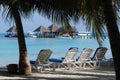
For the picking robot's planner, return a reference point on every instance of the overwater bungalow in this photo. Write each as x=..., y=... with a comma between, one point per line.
x=62, y=32
x=53, y=30
x=41, y=32
x=11, y=32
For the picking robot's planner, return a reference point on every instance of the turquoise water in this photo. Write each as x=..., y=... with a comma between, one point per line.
x=9, y=51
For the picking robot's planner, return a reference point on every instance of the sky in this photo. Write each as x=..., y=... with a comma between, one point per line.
x=34, y=22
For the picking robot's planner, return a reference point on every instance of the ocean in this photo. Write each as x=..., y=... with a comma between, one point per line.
x=9, y=50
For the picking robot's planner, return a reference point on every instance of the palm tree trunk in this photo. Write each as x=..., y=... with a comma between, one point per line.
x=24, y=64
x=113, y=32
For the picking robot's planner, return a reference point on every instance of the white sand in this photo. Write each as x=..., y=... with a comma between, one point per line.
x=62, y=74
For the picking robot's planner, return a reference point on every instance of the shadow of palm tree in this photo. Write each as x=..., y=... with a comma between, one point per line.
x=64, y=75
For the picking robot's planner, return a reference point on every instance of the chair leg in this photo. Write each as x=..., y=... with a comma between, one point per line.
x=43, y=68
x=39, y=69
x=54, y=66
x=84, y=65
x=80, y=65
x=75, y=66
x=68, y=66
x=95, y=64
x=98, y=64
x=92, y=66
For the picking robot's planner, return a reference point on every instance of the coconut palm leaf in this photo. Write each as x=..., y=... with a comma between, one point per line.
x=56, y=11
x=101, y=15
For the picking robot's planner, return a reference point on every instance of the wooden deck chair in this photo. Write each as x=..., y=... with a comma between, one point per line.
x=42, y=60
x=99, y=56
x=84, y=58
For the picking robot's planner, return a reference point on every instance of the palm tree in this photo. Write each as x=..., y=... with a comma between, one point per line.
x=98, y=13
x=113, y=32
x=14, y=9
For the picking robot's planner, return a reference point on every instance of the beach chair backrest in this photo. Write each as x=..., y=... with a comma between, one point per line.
x=70, y=55
x=99, y=53
x=43, y=56
x=85, y=54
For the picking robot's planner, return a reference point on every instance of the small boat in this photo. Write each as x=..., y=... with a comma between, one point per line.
x=31, y=34
x=64, y=36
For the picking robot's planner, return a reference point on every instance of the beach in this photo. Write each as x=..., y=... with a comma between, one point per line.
x=10, y=55
x=106, y=73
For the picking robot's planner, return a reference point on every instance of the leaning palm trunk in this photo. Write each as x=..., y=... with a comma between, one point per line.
x=24, y=65
x=113, y=33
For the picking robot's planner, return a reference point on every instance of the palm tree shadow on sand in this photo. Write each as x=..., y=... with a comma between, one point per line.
x=99, y=74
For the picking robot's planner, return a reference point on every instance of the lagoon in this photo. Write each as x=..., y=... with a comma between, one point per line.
x=9, y=50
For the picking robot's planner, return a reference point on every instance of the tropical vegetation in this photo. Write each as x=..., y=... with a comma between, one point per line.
x=99, y=15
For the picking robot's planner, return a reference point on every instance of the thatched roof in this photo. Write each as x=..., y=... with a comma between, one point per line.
x=41, y=29
x=12, y=29
x=74, y=29
x=53, y=28
x=61, y=29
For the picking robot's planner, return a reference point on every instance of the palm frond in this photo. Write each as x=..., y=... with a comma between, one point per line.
x=92, y=13
x=56, y=11
x=25, y=7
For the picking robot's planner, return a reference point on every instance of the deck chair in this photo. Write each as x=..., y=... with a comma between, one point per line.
x=67, y=61
x=84, y=58
x=42, y=60
x=70, y=57
x=99, y=56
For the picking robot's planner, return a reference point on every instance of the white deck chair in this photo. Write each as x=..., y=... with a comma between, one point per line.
x=84, y=58
x=99, y=56
x=42, y=60
x=70, y=57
